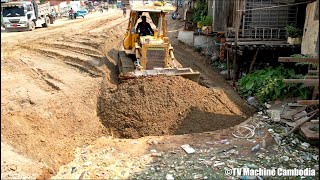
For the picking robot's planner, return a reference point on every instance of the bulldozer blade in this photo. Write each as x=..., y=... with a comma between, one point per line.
x=184, y=72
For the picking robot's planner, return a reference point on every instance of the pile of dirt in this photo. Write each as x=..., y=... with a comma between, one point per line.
x=166, y=105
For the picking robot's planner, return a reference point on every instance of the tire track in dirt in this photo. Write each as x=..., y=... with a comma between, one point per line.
x=47, y=78
x=75, y=60
x=77, y=47
x=84, y=57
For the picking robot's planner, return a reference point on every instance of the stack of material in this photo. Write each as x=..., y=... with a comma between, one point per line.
x=298, y=116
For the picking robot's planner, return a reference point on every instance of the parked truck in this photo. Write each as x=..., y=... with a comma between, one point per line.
x=26, y=15
x=125, y=2
x=119, y=4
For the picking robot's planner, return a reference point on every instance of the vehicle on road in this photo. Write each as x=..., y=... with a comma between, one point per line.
x=26, y=15
x=125, y=2
x=80, y=13
x=119, y=4
x=148, y=53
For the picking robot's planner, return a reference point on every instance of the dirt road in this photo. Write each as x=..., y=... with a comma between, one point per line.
x=50, y=81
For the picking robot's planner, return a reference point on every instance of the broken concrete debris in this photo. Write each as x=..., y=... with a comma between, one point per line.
x=224, y=141
x=153, y=151
x=188, y=148
x=263, y=144
x=274, y=115
x=255, y=148
x=218, y=163
x=169, y=177
x=305, y=145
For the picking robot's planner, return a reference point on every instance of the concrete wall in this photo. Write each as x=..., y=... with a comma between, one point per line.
x=186, y=37
x=202, y=41
x=311, y=31
x=195, y=40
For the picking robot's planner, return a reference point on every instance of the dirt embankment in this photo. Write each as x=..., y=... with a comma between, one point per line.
x=50, y=84
x=166, y=105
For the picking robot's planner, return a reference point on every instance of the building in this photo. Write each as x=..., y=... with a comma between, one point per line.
x=254, y=30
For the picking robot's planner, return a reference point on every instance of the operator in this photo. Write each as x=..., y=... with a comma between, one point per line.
x=144, y=28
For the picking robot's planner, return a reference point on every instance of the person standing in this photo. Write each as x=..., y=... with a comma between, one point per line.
x=124, y=10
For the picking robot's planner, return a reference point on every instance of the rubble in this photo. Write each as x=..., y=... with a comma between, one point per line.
x=274, y=115
x=188, y=148
x=207, y=159
x=263, y=144
x=255, y=148
x=169, y=177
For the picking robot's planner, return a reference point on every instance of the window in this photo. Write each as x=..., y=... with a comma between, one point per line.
x=13, y=11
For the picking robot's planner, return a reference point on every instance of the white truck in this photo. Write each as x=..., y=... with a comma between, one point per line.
x=26, y=15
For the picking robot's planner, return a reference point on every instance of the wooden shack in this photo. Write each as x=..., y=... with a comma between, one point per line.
x=254, y=30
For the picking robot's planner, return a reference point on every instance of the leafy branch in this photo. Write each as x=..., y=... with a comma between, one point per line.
x=266, y=84
x=293, y=32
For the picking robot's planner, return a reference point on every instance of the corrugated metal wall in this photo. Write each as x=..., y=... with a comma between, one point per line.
x=219, y=14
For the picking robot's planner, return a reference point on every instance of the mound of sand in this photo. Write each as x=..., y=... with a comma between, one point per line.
x=166, y=105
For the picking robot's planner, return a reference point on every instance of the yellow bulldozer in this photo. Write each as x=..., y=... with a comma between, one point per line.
x=150, y=55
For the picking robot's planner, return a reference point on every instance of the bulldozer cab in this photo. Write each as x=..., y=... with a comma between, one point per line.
x=151, y=54
x=151, y=51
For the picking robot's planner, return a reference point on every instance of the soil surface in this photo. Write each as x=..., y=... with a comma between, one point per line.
x=166, y=105
x=52, y=80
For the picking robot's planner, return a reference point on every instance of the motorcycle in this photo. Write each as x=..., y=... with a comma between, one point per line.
x=174, y=16
x=71, y=15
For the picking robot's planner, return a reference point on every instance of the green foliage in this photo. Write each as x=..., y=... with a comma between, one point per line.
x=314, y=65
x=293, y=31
x=206, y=21
x=301, y=56
x=267, y=85
x=200, y=11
